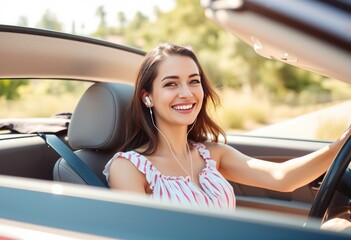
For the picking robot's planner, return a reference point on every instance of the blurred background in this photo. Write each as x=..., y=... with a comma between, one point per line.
x=255, y=92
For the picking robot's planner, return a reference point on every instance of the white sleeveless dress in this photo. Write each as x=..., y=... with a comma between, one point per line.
x=215, y=191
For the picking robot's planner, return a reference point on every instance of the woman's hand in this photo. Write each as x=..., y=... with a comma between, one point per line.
x=342, y=139
x=337, y=224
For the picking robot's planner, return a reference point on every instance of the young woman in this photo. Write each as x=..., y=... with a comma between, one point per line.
x=171, y=149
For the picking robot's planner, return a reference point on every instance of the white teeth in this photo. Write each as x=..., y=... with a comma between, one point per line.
x=183, y=107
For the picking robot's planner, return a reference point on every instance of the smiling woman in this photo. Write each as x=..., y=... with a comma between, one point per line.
x=259, y=176
x=169, y=80
x=173, y=153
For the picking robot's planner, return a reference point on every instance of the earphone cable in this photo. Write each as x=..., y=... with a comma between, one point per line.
x=170, y=148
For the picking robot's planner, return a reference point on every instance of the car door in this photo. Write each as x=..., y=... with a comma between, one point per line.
x=276, y=150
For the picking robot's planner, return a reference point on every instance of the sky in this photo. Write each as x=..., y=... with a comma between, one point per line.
x=82, y=12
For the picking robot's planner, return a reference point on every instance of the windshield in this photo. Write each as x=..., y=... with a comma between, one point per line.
x=259, y=96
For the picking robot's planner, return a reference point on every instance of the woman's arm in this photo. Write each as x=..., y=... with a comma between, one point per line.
x=286, y=176
x=125, y=177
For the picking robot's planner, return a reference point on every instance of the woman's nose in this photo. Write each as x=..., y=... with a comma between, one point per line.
x=185, y=91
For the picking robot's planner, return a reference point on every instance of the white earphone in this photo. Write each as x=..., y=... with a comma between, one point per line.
x=147, y=101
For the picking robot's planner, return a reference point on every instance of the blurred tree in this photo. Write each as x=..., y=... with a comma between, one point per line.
x=185, y=24
x=297, y=79
x=9, y=89
x=102, y=30
x=122, y=20
x=49, y=21
x=303, y=82
x=62, y=87
x=253, y=64
x=23, y=21
x=228, y=61
x=134, y=34
x=73, y=28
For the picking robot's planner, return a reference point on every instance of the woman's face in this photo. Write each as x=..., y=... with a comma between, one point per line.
x=177, y=94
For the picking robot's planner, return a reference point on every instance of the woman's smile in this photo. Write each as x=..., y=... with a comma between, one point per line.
x=184, y=107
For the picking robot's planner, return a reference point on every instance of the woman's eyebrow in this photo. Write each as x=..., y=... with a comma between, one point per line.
x=194, y=75
x=170, y=77
x=177, y=77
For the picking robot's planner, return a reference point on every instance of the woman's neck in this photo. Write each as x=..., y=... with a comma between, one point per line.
x=174, y=136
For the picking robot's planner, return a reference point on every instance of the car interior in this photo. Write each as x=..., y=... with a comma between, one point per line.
x=94, y=133
x=93, y=130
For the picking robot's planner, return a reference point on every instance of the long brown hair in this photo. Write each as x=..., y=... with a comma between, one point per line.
x=139, y=129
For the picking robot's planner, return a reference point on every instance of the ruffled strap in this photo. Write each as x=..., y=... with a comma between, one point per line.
x=143, y=164
x=139, y=161
x=205, y=154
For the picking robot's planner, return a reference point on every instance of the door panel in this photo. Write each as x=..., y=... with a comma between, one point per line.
x=26, y=155
x=276, y=150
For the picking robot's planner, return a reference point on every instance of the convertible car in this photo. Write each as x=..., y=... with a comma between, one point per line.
x=51, y=182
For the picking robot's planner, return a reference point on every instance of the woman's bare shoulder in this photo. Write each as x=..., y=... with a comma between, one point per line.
x=217, y=149
x=216, y=146
x=124, y=175
x=121, y=163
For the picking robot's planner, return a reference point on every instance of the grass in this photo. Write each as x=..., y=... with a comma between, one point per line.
x=330, y=129
x=35, y=107
x=41, y=100
x=242, y=112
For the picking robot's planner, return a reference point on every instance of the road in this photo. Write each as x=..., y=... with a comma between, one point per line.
x=307, y=126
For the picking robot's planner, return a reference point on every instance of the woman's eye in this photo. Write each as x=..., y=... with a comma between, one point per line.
x=170, y=84
x=195, y=81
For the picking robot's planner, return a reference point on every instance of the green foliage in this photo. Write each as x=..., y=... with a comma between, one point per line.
x=43, y=98
x=62, y=87
x=9, y=89
x=232, y=119
x=329, y=129
x=23, y=21
x=102, y=30
x=298, y=79
x=186, y=24
x=136, y=33
x=240, y=111
x=49, y=21
x=228, y=61
x=122, y=20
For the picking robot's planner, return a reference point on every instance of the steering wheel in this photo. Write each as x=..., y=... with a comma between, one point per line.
x=330, y=183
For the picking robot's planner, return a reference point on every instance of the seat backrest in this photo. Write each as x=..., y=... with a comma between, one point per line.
x=95, y=129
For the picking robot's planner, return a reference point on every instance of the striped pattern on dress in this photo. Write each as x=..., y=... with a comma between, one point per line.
x=215, y=191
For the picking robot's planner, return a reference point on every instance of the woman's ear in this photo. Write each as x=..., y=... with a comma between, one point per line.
x=145, y=97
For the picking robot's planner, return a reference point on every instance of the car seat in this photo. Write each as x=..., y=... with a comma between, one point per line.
x=95, y=129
